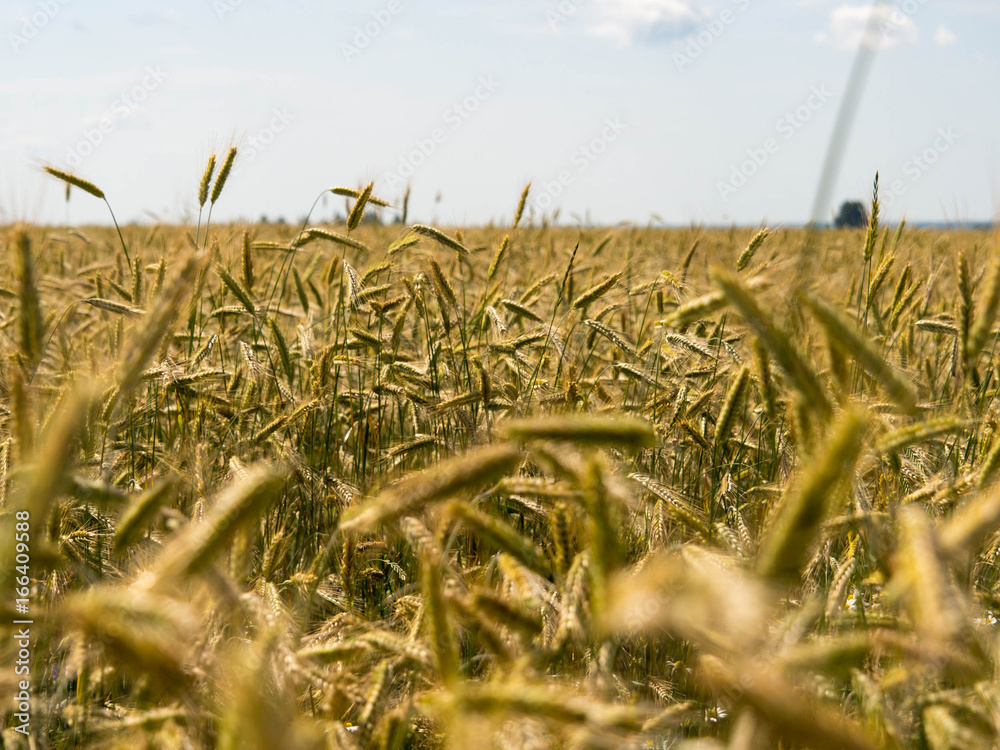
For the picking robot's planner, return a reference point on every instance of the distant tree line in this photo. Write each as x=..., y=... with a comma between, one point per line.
x=851, y=214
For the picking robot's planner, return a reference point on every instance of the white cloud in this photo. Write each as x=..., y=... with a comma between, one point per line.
x=627, y=21
x=944, y=36
x=882, y=27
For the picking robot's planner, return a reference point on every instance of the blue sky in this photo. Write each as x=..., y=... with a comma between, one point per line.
x=616, y=110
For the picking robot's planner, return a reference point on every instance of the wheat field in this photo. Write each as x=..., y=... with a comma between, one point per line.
x=377, y=485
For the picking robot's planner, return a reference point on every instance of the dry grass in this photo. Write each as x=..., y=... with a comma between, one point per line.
x=380, y=486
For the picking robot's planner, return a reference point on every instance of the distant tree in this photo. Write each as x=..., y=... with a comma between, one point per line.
x=851, y=214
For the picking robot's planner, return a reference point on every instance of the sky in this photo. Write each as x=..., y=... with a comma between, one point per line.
x=646, y=111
